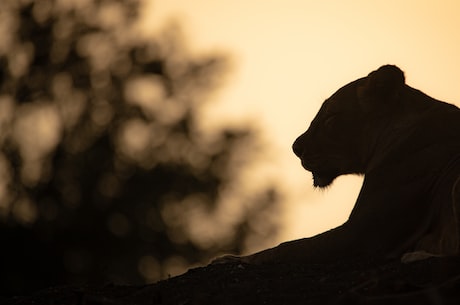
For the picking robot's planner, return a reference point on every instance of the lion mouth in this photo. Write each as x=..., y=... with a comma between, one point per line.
x=321, y=178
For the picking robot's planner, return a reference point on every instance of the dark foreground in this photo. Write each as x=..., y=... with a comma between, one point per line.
x=433, y=281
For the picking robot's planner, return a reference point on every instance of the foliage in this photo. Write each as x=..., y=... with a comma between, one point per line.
x=106, y=173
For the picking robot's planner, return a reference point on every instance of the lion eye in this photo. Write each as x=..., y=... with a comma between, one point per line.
x=329, y=120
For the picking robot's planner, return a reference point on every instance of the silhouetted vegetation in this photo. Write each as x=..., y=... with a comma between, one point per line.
x=106, y=175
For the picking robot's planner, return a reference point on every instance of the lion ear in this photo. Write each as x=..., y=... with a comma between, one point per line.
x=385, y=83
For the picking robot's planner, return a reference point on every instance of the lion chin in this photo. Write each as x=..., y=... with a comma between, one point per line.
x=323, y=180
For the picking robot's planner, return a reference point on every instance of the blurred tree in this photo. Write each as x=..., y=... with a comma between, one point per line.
x=106, y=175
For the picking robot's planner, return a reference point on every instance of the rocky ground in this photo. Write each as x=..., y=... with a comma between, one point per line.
x=433, y=281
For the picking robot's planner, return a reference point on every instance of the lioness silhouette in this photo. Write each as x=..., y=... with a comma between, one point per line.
x=407, y=146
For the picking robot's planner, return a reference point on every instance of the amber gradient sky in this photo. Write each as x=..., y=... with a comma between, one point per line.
x=289, y=55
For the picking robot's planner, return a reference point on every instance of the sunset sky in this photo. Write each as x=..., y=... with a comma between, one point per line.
x=290, y=55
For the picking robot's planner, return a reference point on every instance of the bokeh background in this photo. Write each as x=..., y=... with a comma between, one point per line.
x=139, y=138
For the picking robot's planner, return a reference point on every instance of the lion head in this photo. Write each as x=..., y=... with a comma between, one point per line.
x=343, y=137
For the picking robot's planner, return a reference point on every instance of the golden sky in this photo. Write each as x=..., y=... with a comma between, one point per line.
x=290, y=55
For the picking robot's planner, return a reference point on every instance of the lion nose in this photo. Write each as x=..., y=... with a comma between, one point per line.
x=297, y=147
